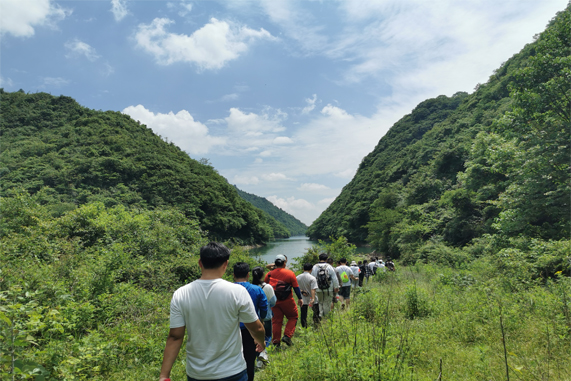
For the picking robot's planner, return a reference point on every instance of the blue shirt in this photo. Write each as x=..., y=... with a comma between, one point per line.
x=258, y=297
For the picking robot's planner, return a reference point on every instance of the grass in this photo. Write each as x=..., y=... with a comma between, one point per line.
x=404, y=325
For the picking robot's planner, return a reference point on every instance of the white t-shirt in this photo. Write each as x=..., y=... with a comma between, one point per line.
x=211, y=311
x=307, y=282
x=344, y=269
x=355, y=269
x=373, y=266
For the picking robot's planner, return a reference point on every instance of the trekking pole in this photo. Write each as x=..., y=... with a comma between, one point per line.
x=440, y=374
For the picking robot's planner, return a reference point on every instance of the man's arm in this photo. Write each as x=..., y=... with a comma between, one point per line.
x=312, y=300
x=258, y=332
x=172, y=347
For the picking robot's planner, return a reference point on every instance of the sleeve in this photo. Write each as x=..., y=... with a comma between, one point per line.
x=176, y=316
x=272, y=301
x=293, y=280
x=334, y=277
x=246, y=310
x=313, y=284
x=262, y=304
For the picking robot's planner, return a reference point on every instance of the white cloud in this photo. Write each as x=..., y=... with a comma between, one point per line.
x=326, y=201
x=282, y=140
x=78, y=48
x=119, y=9
x=312, y=187
x=246, y=180
x=189, y=135
x=183, y=7
x=6, y=82
x=266, y=153
x=302, y=209
x=19, y=18
x=275, y=177
x=310, y=104
x=54, y=82
x=210, y=47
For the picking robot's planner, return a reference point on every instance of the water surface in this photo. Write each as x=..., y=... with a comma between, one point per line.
x=291, y=247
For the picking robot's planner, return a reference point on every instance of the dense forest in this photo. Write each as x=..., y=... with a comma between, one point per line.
x=292, y=225
x=80, y=156
x=471, y=171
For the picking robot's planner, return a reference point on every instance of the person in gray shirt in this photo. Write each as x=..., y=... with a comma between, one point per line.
x=327, y=284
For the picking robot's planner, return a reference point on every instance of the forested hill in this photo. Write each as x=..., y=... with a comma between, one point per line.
x=494, y=163
x=291, y=224
x=84, y=156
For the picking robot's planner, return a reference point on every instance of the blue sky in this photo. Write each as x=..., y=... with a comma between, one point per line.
x=284, y=98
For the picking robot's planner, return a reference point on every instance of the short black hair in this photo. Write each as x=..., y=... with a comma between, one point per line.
x=241, y=269
x=365, y=262
x=279, y=262
x=307, y=267
x=343, y=260
x=323, y=257
x=214, y=255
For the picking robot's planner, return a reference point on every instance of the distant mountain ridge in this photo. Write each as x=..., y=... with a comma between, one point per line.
x=83, y=155
x=290, y=223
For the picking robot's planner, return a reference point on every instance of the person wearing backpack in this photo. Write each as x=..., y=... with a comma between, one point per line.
x=346, y=275
x=327, y=284
x=283, y=281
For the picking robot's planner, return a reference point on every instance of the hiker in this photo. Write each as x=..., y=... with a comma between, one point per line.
x=362, y=272
x=241, y=276
x=283, y=280
x=210, y=310
x=257, y=276
x=390, y=265
x=368, y=270
x=308, y=286
x=346, y=275
x=373, y=267
x=355, y=280
x=382, y=265
x=327, y=284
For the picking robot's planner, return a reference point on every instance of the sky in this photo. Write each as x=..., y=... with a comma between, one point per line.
x=283, y=97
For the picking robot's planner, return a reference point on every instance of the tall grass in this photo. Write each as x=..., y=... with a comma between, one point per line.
x=422, y=321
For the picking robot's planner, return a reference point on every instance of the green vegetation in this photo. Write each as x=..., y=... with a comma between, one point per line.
x=102, y=220
x=86, y=295
x=85, y=156
x=285, y=226
x=401, y=325
x=483, y=173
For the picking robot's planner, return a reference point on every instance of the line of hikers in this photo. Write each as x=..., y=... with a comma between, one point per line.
x=214, y=312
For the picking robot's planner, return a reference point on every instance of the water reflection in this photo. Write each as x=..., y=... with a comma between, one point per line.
x=292, y=247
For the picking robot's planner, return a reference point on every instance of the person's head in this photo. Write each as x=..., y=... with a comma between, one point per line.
x=257, y=275
x=360, y=263
x=214, y=255
x=323, y=257
x=241, y=270
x=343, y=261
x=330, y=260
x=280, y=260
x=365, y=262
x=307, y=267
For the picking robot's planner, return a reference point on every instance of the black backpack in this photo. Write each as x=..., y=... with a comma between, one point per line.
x=323, y=278
x=282, y=289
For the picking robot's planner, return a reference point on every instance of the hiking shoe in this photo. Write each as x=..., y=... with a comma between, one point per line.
x=263, y=357
x=287, y=340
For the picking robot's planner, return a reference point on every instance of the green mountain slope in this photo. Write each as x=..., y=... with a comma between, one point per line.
x=84, y=155
x=291, y=224
x=492, y=162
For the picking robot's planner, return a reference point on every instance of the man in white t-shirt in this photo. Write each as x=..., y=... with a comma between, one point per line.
x=210, y=310
x=308, y=286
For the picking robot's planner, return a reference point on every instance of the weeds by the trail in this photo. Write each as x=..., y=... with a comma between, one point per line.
x=429, y=323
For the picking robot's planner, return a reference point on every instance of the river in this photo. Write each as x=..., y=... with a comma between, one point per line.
x=291, y=247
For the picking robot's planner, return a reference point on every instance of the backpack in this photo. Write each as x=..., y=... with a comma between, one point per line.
x=282, y=290
x=344, y=277
x=323, y=278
